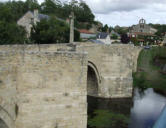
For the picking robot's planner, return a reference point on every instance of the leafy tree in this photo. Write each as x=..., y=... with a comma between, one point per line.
x=52, y=7
x=114, y=36
x=32, y=4
x=11, y=33
x=51, y=31
x=108, y=119
x=105, y=28
x=6, y=13
x=125, y=39
x=135, y=41
x=13, y=10
x=110, y=29
x=121, y=30
x=161, y=29
x=85, y=14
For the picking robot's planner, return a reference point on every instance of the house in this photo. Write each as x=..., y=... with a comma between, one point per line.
x=86, y=34
x=29, y=19
x=114, y=33
x=104, y=37
x=143, y=33
x=141, y=28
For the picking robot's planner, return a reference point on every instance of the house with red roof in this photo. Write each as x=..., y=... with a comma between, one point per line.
x=86, y=34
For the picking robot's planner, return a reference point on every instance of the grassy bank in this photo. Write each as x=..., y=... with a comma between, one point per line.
x=149, y=73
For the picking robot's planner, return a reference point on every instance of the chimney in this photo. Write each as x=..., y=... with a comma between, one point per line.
x=36, y=15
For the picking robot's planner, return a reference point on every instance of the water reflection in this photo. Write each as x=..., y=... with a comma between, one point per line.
x=143, y=110
x=147, y=108
x=111, y=113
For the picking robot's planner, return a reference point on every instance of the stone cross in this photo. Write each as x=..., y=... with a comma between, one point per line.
x=71, y=27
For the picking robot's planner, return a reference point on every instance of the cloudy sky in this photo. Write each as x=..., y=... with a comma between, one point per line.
x=127, y=12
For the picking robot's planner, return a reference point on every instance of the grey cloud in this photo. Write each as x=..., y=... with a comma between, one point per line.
x=108, y=6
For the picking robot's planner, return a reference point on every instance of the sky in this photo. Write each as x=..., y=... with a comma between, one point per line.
x=127, y=12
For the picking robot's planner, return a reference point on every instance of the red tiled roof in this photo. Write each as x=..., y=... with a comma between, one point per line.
x=85, y=31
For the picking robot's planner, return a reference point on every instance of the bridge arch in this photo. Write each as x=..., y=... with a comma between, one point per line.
x=6, y=120
x=93, y=79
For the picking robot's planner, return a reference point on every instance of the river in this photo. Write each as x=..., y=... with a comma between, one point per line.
x=142, y=110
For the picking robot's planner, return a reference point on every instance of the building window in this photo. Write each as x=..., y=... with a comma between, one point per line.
x=141, y=25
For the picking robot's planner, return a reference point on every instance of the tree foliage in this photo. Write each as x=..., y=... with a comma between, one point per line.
x=121, y=30
x=10, y=32
x=11, y=11
x=108, y=119
x=82, y=12
x=161, y=29
x=114, y=36
x=105, y=28
x=51, y=31
x=125, y=39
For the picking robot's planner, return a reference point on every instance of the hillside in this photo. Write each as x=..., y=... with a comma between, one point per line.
x=151, y=72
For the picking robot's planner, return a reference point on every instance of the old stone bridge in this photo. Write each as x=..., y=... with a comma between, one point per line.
x=46, y=86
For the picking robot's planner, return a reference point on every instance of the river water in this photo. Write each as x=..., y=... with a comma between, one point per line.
x=142, y=110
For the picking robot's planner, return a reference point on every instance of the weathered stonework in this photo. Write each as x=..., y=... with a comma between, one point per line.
x=43, y=89
x=114, y=65
x=45, y=86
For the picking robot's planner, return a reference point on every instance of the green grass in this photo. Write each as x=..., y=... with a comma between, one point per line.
x=149, y=75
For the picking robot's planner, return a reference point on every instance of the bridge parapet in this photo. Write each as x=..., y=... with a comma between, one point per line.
x=115, y=64
x=42, y=88
x=43, y=85
x=8, y=76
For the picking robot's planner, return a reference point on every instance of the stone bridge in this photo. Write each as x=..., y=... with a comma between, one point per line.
x=46, y=86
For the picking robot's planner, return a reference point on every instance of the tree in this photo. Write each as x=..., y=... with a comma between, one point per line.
x=114, y=36
x=11, y=33
x=135, y=41
x=51, y=31
x=110, y=29
x=52, y=7
x=32, y=4
x=125, y=39
x=108, y=119
x=161, y=29
x=85, y=14
x=121, y=30
x=105, y=28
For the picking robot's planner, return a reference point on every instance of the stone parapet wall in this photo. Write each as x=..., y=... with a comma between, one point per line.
x=43, y=88
x=115, y=64
x=8, y=81
x=52, y=91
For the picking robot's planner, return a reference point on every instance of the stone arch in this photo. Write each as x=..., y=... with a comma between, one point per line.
x=93, y=80
x=5, y=119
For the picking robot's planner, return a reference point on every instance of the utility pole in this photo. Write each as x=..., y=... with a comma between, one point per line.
x=71, y=17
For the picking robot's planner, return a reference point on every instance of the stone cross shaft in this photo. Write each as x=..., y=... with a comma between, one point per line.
x=71, y=27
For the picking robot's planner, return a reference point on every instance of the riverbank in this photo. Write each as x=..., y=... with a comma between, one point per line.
x=150, y=70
